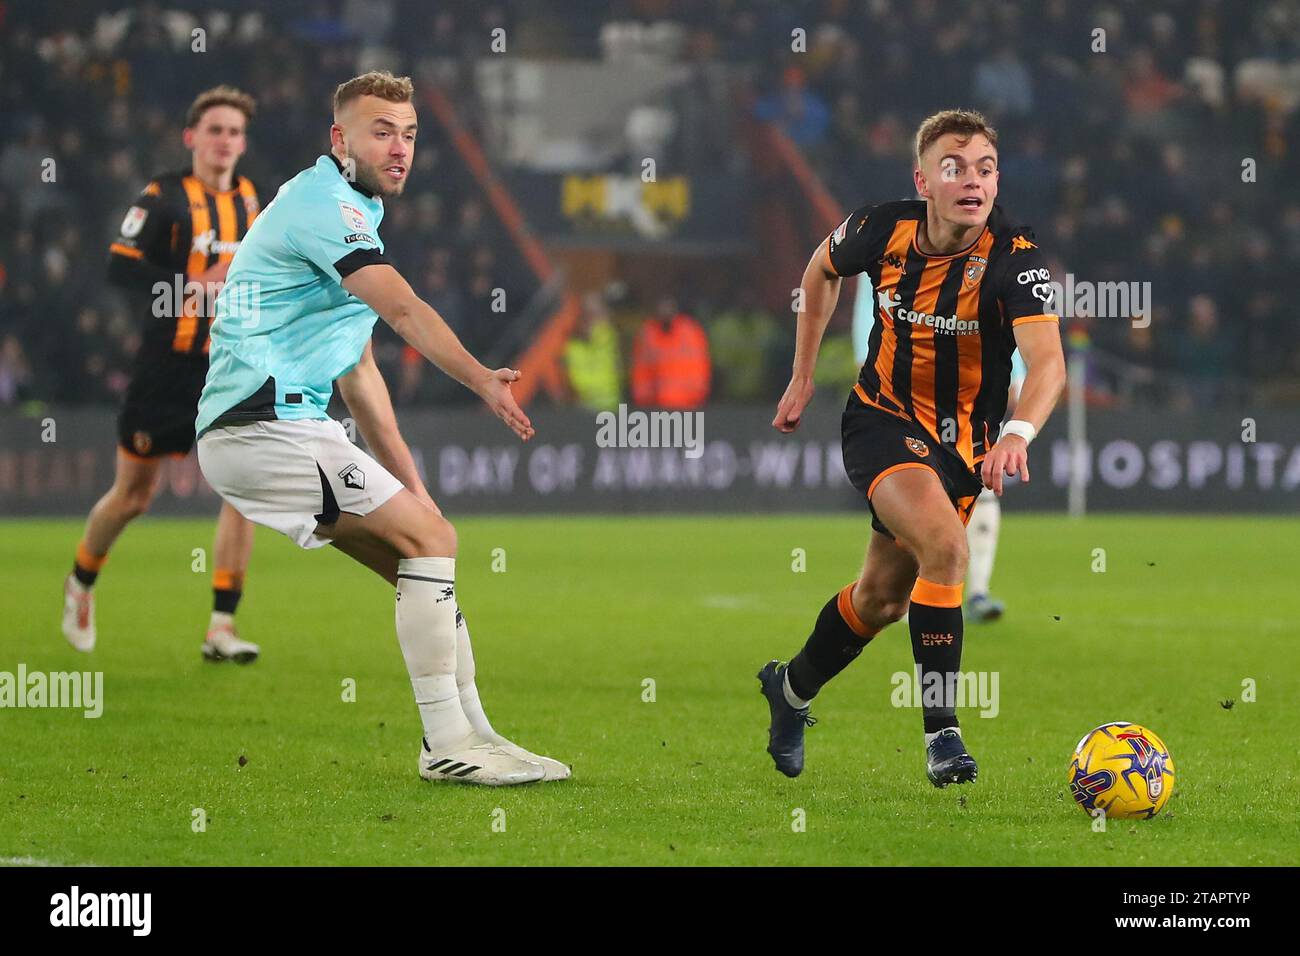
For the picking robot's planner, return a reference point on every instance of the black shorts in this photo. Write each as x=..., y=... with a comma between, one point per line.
x=877, y=443
x=161, y=405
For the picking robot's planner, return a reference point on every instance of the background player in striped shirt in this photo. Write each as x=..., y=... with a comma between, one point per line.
x=959, y=287
x=183, y=229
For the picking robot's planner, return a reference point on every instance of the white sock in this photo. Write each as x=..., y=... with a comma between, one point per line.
x=426, y=629
x=220, y=619
x=469, y=699
x=982, y=539
x=791, y=698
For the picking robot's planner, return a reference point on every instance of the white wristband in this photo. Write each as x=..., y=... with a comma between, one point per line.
x=1022, y=428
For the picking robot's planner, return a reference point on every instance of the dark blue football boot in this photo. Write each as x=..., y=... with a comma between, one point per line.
x=947, y=760
x=785, y=733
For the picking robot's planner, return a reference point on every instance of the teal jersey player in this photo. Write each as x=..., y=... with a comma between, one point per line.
x=293, y=323
x=285, y=327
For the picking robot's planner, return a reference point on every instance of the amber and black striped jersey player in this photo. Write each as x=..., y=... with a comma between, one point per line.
x=959, y=286
x=170, y=258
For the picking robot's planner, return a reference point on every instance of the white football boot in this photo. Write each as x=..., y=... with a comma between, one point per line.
x=482, y=763
x=78, y=614
x=224, y=644
x=553, y=769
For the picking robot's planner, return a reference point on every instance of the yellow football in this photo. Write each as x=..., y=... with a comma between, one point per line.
x=1123, y=770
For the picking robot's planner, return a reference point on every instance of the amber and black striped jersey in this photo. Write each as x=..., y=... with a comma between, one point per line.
x=940, y=350
x=177, y=228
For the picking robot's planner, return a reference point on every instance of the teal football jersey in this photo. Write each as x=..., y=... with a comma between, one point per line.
x=284, y=326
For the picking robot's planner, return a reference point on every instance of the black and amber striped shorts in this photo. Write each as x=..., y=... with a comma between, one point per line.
x=877, y=444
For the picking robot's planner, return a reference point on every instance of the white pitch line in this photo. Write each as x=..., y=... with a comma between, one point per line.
x=33, y=861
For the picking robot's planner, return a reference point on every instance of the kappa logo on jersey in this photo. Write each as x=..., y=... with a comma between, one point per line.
x=1020, y=242
x=892, y=259
x=354, y=218
x=916, y=446
x=973, y=272
x=353, y=477
x=134, y=222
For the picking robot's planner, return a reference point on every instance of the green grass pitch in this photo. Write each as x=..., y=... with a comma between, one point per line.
x=586, y=611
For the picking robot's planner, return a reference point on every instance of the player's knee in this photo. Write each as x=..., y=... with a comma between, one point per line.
x=432, y=536
x=946, y=554
x=893, y=609
x=878, y=608
x=133, y=501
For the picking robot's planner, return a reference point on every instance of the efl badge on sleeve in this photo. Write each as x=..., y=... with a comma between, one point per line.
x=838, y=235
x=354, y=218
x=134, y=222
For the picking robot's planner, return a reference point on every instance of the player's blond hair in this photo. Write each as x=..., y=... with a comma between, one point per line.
x=220, y=96
x=964, y=123
x=380, y=83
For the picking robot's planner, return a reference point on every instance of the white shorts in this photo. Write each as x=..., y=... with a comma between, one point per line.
x=294, y=475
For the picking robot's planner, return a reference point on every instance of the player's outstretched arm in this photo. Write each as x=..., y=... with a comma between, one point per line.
x=366, y=394
x=1040, y=346
x=819, y=291
x=382, y=287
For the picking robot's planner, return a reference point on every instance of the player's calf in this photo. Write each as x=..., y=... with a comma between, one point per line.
x=915, y=507
x=472, y=705
x=837, y=638
x=877, y=610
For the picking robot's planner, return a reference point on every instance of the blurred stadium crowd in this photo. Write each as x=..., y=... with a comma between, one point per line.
x=1173, y=157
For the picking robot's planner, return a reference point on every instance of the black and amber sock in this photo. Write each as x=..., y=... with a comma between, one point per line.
x=86, y=566
x=227, y=589
x=837, y=638
x=936, y=624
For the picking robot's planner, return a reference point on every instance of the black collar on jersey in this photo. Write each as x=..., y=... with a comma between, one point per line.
x=358, y=187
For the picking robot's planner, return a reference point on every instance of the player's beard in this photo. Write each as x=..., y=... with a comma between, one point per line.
x=372, y=179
